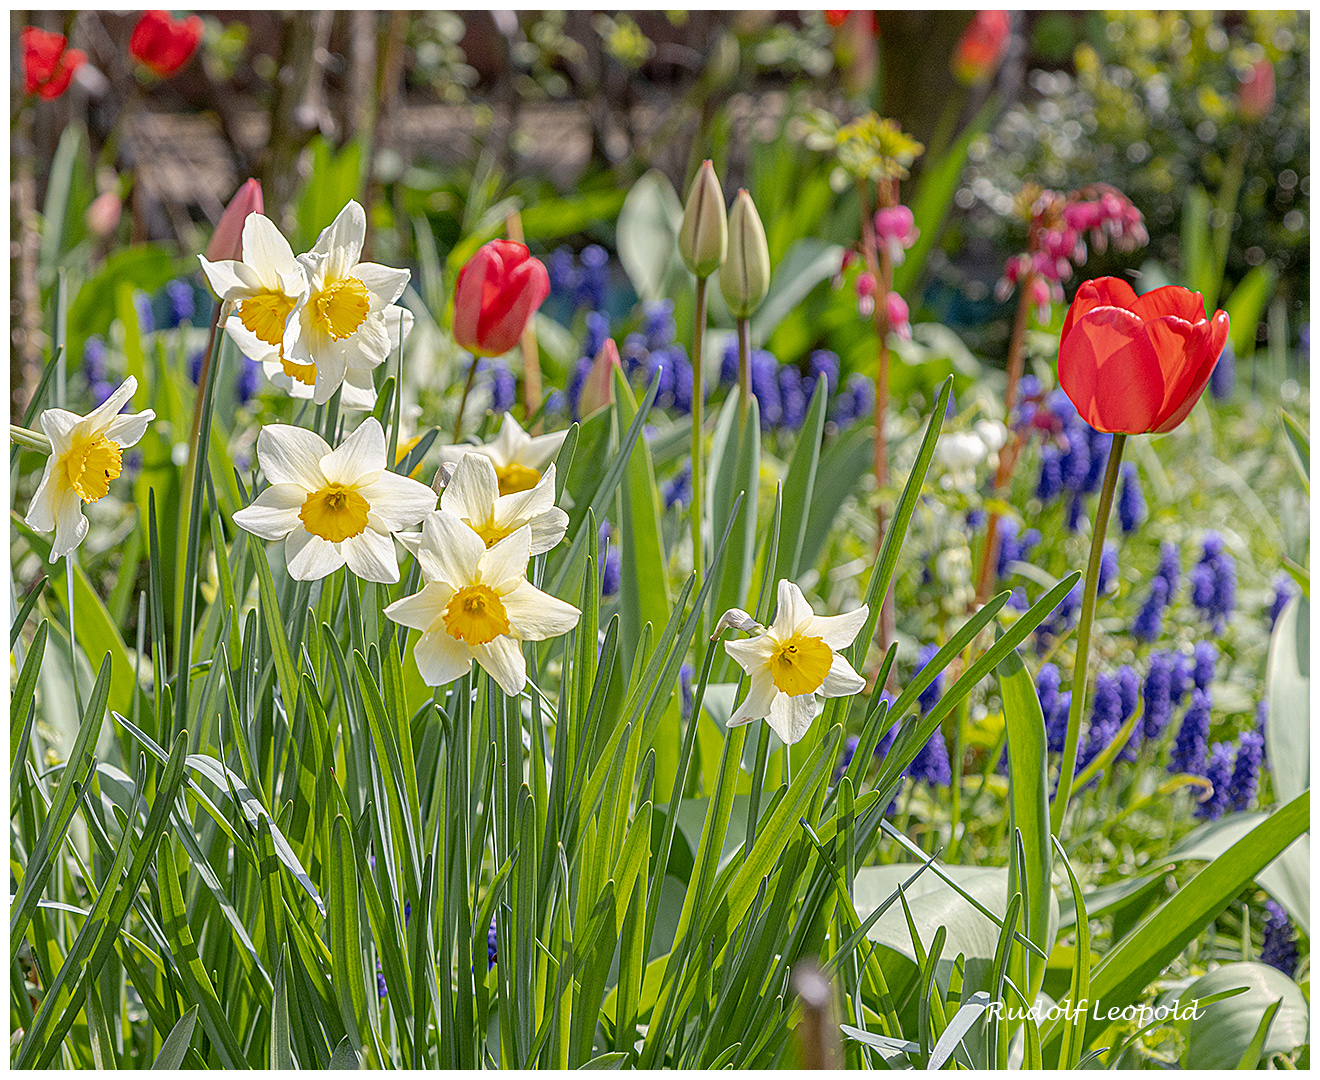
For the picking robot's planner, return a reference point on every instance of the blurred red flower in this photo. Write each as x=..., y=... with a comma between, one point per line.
x=498, y=291
x=981, y=47
x=47, y=64
x=163, y=44
x=1134, y=363
x=1256, y=94
x=836, y=18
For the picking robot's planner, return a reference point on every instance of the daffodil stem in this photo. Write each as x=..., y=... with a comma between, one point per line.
x=188, y=592
x=1068, y=767
x=744, y=371
x=698, y=395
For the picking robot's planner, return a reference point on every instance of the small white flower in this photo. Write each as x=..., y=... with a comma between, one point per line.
x=86, y=454
x=519, y=458
x=793, y=660
x=333, y=506
x=477, y=604
x=266, y=286
x=340, y=329
x=473, y=496
x=993, y=433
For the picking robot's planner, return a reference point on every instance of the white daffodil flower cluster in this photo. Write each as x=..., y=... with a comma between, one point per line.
x=320, y=322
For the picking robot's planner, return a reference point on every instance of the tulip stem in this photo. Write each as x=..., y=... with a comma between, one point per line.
x=462, y=402
x=744, y=371
x=1068, y=767
x=698, y=396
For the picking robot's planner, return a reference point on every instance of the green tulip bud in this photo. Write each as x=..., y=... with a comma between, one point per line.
x=745, y=275
x=704, y=236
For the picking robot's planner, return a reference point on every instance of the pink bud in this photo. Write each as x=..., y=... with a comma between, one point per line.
x=897, y=310
x=1256, y=95
x=103, y=213
x=227, y=240
x=865, y=283
x=896, y=223
x=1038, y=294
x=598, y=389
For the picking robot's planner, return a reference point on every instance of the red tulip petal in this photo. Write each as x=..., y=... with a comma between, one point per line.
x=469, y=296
x=1170, y=300
x=1110, y=372
x=1098, y=292
x=1209, y=345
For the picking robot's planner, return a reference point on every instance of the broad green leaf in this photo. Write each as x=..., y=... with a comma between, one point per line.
x=1224, y=1031
x=647, y=234
x=1246, y=305
x=1288, y=683
x=176, y=1044
x=805, y=265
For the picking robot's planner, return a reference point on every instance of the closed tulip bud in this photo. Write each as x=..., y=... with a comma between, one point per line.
x=1256, y=94
x=227, y=240
x=745, y=275
x=704, y=237
x=497, y=293
x=981, y=48
x=598, y=390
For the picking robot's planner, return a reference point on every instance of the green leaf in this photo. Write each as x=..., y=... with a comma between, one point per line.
x=807, y=263
x=176, y=1044
x=345, y=1057
x=345, y=942
x=647, y=234
x=1131, y=965
x=281, y=1055
x=1246, y=305
x=800, y=487
x=841, y=467
x=1080, y=989
x=1288, y=683
x=1028, y=793
x=285, y=671
x=1269, y=1018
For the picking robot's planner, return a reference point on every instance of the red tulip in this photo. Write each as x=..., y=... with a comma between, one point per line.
x=1137, y=363
x=47, y=64
x=836, y=18
x=163, y=44
x=227, y=240
x=498, y=291
x=981, y=47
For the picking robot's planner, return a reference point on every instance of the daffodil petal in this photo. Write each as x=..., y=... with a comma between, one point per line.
x=273, y=514
x=504, y=661
x=838, y=631
x=292, y=455
x=440, y=658
x=791, y=717
x=842, y=680
x=370, y=555
x=760, y=696
x=749, y=653
x=451, y=552
x=537, y=615
x=420, y=611
x=507, y=560
x=792, y=612
x=70, y=525
x=127, y=430
x=547, y=530
x=473, y=489
x=400, y=502
x=359, y=459
x=309, y=557
x=385, y=283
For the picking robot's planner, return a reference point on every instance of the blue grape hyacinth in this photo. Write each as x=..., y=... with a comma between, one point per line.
x=1279, y=950
x=1214, y=583
x=1189, y=748
x=1131, y=502
x=1246, y=769
x=1149, y=623
x=1219, y=771
x=1204, y=657
x=1157, y=700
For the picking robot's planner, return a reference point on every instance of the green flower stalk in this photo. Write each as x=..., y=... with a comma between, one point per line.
x=702, y=241
x=744, y=281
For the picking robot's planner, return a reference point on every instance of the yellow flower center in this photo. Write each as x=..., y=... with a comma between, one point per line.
x=303, y=373
x=334, y=513
x=516, y=477
x=476, y=615
x=92, y=462
x=341, y=307
x=800, y=664
x=265, y=315
x=490, y=533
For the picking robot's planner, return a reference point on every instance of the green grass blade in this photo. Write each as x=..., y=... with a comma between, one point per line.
x=175, y=1047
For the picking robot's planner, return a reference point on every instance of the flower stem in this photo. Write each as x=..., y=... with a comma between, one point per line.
x=462, y=402
x=33, y=440
x=744, y=371
x=698, y=395
x=1068, y=767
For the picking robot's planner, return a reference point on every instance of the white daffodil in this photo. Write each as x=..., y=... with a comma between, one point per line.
x=266, y=286
x=519, y=458
x=473, y=496
x=86, y=454
x=333, y=506
x=477, y=604
x=793, y=660
x=359, y=389
x=341, y=327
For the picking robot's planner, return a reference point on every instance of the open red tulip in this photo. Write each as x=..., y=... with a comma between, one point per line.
x=498, y=291
x=48, y=65
x=1134, y=363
